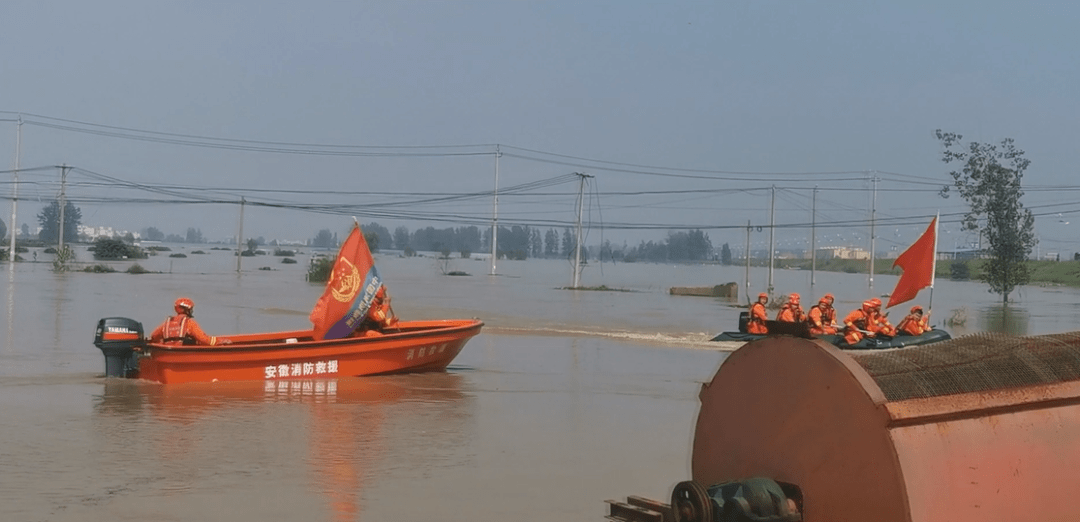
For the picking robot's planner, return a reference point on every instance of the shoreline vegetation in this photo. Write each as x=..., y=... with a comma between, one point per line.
x=1043, y=273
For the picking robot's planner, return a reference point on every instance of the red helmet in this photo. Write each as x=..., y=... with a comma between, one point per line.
x=916, y=308
x=875, y=302
x=763, y=294
x=829, y=297
x=184, y=306
x=867, y=305
x=793, y=297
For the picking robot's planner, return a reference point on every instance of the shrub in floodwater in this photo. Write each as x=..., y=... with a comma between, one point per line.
x=960, y=271
x=319, y=271
x=178, y=255
x=288, y=261
x=99, y=269
x=137, y=269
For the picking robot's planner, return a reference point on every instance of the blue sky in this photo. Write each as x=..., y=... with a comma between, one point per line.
x=696, y=108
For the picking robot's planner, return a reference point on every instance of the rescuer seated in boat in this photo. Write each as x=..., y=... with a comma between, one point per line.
x=792, y=311
x=879, y=322
x=758, y=316
x=916, y=323
x=857, y=323
x=379, y=317
x=182, y=328
x=822, y=316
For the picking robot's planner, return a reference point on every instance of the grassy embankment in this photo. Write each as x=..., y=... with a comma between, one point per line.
x=1043, y=273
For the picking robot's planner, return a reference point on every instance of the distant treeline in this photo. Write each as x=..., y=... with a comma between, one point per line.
x=523, y=242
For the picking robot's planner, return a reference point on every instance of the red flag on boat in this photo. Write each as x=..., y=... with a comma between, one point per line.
x=349, y=292
x=918, y=263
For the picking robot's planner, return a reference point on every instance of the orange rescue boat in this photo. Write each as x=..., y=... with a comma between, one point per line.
x=411, y=346
x=341, y=343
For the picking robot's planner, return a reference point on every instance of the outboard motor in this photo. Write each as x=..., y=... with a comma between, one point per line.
x=118, y=337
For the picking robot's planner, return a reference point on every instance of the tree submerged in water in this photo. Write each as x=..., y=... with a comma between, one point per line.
x=989, y=180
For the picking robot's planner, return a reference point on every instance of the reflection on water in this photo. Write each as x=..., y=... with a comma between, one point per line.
x=334, y=432
x=10, y=333
x=1010, y=319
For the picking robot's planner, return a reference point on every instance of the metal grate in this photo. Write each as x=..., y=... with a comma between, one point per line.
x=973, y=363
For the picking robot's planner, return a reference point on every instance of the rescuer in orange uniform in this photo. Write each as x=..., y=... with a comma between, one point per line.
x=857, y=323
x=792, y=311
x=182, y=328
x=879, y=322
x=756, y=325
x=822, y=316
x=915, y=323
x=379, y=316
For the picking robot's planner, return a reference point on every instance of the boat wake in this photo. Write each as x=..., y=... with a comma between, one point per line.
x=688, y=340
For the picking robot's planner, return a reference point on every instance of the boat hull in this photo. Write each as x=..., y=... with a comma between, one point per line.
x=414, y=346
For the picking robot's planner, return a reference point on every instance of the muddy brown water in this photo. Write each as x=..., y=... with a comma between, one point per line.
x=566, y=399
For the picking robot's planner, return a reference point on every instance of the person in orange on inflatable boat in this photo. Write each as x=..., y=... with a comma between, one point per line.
x=379, y=316
x=182, y=328
x=916, y=323
x=879, y=322
x=857, y=323
x=822, y=317
x=792, y=311
x=758, y=316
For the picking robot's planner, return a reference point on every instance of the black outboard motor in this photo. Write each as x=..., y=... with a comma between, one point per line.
x=118, y=337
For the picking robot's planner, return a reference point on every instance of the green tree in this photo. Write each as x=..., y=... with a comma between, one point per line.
x=3, y=229
x=401, y=238
x=324, y=239
x=725, y=254
x=194, y=235
x=108, y=248
x=551, y=243
x=49, y=218
x=153, y=234
x=989, y=180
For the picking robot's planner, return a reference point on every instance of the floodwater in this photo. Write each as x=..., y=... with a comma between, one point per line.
x=567, y=398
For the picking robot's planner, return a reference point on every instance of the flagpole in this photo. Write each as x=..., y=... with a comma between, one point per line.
x=933, y=271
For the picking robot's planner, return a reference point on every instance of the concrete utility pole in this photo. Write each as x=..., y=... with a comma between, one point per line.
x=15, y=192
x=873, y=214
x=240, y=235
x=772, y=233
x=813, y=238
x=748, y=300
x=495, y=214
x=577, y=248
x=63, y=203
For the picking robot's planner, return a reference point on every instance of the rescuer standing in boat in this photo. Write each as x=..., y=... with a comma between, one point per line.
x=822, y=316
x=792, y=311
x=182, y=328
x=756, y=325
x=915, y=323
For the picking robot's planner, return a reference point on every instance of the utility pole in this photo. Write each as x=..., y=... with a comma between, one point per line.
x=577, y=248
x=495, y=214
x=240, y=235
x=873, y=215
x=772, y=233
x=15, y=193
x=813, y=238
x=63, y=203
x=748, y=300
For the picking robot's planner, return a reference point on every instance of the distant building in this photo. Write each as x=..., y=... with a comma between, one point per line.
x=824, y=254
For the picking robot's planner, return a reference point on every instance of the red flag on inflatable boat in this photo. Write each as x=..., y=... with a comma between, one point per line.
x=350, y=290
x=918, y=263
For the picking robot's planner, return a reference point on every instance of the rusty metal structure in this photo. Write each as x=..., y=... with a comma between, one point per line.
x=981, y=428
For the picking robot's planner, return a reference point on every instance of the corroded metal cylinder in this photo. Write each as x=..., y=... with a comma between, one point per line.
x=978, y=428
